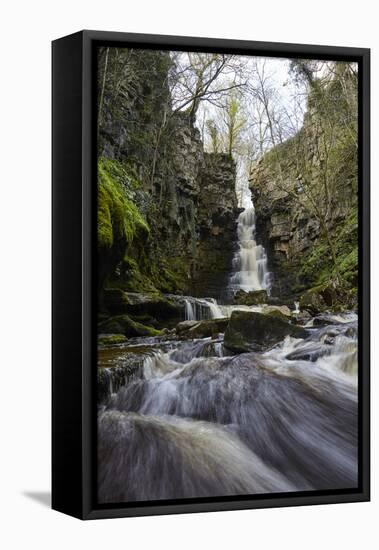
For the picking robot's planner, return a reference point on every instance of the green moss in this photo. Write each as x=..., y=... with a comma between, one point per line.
x=171, y=274
x=134, y=280
x=118, y=217
x=111, y=339
x=317, y=266
x=123, y=324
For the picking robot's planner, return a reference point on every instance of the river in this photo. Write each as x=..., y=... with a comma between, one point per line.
x=197, y=422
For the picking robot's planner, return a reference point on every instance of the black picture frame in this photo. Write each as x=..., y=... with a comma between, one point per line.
x=74, y=274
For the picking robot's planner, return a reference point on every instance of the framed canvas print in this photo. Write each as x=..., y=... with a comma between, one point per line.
x=210, y=274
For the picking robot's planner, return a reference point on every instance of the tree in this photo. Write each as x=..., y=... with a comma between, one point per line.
x=234, y=121
x=197, y=77
x=214, y=134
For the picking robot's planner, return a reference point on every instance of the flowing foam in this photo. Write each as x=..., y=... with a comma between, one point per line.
x=199, y=424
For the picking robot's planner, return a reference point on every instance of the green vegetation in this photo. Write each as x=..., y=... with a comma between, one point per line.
x=118, y=217
x=317, y=267
x=111, y=339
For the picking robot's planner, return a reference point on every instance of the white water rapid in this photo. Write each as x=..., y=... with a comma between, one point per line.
x=197, y=423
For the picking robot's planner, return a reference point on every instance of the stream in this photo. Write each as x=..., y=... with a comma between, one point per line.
x=186, y=418
x=194, y=421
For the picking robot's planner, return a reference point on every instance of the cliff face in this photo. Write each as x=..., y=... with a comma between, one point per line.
x=153, y=162
x=294, y=235
x=217, y=214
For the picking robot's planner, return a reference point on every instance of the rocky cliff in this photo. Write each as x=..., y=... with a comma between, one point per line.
x=167, y=209
x=319, y=164
x=216, y=215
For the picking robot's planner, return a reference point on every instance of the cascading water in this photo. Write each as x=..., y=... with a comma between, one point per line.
x=197, y=424
x=198, y=309
x=250, y=261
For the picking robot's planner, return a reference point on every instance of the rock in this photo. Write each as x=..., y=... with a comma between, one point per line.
x=156, y=306
x=322, y=321
x=217, y=214
x=252, y=298
x=325, y=297
x=123, y=324
x=311, y=353
x=202, y=329
x=293, y=237
x=302, y=317
x=110, y=339
x=184, y=326
x=274, y=300
x=252, y=331
x=112, y=378
x=115, y=300
x=313, y=301
x=283, y=312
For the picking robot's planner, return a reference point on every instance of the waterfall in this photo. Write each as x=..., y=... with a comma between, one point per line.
x=199, y=309
x=250, y=261
x=189, y=310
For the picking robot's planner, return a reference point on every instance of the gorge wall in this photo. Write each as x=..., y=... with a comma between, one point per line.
x=298, y=251
x=166, y=209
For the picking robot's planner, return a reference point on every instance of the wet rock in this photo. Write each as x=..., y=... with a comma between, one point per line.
x=123, y=324
x=251, y=331
x=202, y=329
x=310, y=353
x=322, y=321
x=184, y=326
x=302, y=318
x=111, y=379
x=252, y=298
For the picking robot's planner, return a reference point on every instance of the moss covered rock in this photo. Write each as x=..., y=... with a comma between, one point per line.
x=110, y=339
x=251, y=331
x=252, y=298
x=119, y=221
x=327, y=297
x=115, y=300
x=154, y=305
x=123, y=324
x=282, y=312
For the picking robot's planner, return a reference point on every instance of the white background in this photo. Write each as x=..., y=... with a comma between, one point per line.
x=26, y=31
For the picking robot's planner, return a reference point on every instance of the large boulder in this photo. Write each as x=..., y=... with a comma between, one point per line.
x=123, y=324
x=252, y=298
x=202, y=329
x=252, y=331
x=283, y=312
